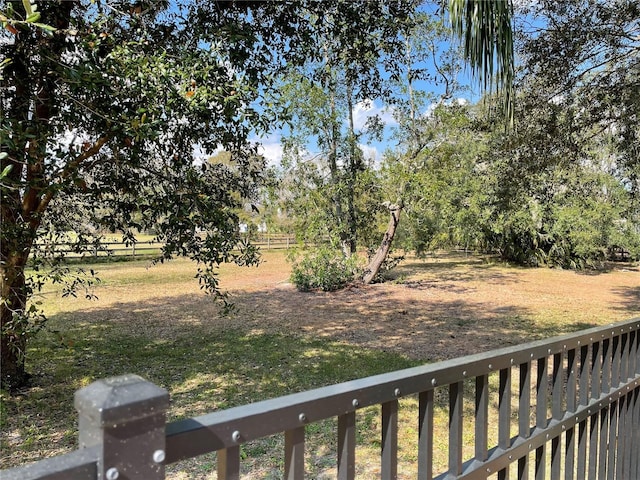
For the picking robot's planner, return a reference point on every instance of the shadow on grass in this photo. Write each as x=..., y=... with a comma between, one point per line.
x=455, y=267
x=630, y=301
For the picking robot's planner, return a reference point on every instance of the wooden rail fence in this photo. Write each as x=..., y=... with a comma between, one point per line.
x=142, y=248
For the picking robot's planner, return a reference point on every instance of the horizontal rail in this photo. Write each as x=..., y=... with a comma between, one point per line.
x=229, y=428
x=78, y=465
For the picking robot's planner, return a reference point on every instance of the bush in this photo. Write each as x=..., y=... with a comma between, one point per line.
x=324, y=269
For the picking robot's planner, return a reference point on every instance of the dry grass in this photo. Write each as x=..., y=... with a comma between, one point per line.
x=157, y=323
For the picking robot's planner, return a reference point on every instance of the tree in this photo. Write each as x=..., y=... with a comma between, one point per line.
x=335, y=73
x=485, y=29
x=586, y=59
x=416, y=129
x=322, y=97
x=101, y=118
x=487, y=36
x=566, y=178
x=446, y=190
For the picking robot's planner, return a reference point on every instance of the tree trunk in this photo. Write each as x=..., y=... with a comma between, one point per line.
x=352, y=172
x=383, y=250
x=30, y=108
x=13, y=338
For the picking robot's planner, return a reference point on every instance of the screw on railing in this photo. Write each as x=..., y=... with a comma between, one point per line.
x=125, y=418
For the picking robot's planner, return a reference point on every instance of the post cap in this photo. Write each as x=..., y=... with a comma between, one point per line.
x=125, y=398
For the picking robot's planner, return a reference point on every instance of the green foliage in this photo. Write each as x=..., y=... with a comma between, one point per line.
x=561, y=188
x=326, y=269
x=445, y=189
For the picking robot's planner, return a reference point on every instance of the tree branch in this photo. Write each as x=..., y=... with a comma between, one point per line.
x=71, y=168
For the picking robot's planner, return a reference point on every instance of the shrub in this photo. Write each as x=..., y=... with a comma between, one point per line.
x=324, y=269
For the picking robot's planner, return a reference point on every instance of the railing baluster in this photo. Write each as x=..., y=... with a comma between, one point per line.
x=570, y=436
x=635, y=354
x=294, y=454
x=524, y=422
x=542, y=385
x=570, y=452
x=540, y=463
x=604, y=436
x=347, y=446
x=606, y=365
x=482, y=418
x=635, y=441
x=615, y=362
x=229, y=463
x=455, y=428
x=425, y=435
x=593, y=446
x=613, y=444
x=557, y=384
x=596, y=370
x=624, y=357
x=504, y=416
x=605, y=386
x=581, y=470
x=504, y=409
x=628, y=426
x=571, y=380
x=584, y=375
x=523, y=467
x=390, y=440
x=596, y=386
x=583, y=386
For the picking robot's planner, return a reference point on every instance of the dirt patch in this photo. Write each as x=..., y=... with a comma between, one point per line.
x=442, y=307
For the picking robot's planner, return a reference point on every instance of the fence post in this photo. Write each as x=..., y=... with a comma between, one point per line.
x=124, y=417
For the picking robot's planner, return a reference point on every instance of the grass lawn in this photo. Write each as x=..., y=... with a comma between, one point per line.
x=157, y=323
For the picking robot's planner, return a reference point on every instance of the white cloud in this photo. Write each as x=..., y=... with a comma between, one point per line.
x=370, y=153
x=364, y=110
x=456, y=101
x=271, y=148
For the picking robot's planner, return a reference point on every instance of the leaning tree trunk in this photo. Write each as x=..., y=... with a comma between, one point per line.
x=383, y=250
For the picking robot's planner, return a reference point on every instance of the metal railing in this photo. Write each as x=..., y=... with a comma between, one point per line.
x=566, y=408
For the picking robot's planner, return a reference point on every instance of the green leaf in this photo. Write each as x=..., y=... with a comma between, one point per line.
x=34, y=17
x=28, y=7
x=43, y=26
x=6, y=170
